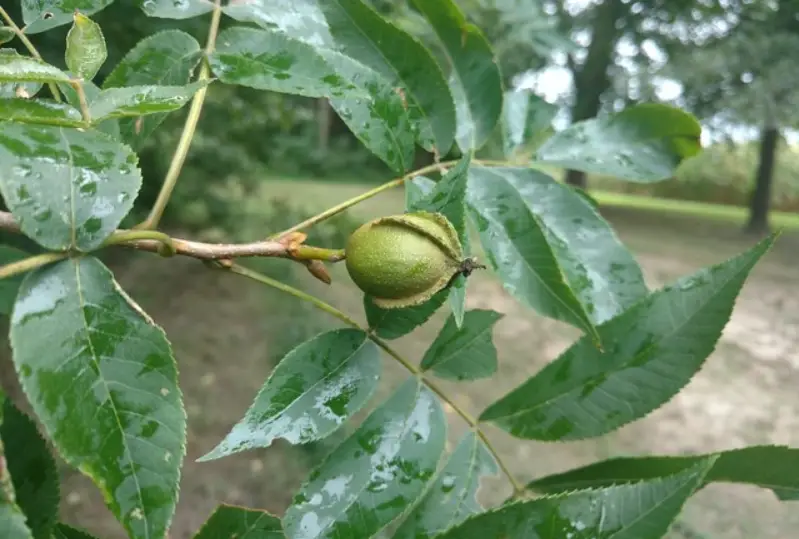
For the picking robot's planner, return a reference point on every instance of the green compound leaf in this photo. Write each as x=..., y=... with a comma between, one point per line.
x=394, y=323
x=465, y=353
x=39, y=111
x=524, y=117
x=165, y=58
x=650, y=352
x=240, y=523
x=63, y=531
x=67, y=188
x=86, y=51
x=453, y=496
x=33, y=471
x=41, y=15
x=475, y=82
x=767, y=466
x=141, y=100
x=356, y=30
x=642, y=510
x=375, y=474
x=552, y=250
x=104, y=385
x=314, y=389
x=175, y=9
x=16, y=68
x=644, y=143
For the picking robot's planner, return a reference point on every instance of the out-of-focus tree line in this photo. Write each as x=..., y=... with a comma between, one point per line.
x=731, y=60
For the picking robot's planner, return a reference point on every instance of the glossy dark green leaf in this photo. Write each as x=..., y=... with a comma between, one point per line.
x=644, y=143
x=465, y=353
x=109, y=126
x=314, y=389
x=375, y=474
x=17, y=89
x=395, y=323
x=9, y=285
x=104, y=385
x=453, y=496
x=642, y=510
x=448, y=197
x=354, y=29
x=33, y=471
x=16, y=68
x=649, y=353
x=474, y=71
x=67, y=188
x=524, y=115
x=141, y=100
x=457, y=298
x=39, y=111
x=166, y=58
x=86, y=51
x=12, y=519
x=552, y=249
x=63, y=531
x=41, y=15
x=240, y=523
x=767, y=466
x=378, y=117
x=6, y=34
x=416, y=190
x=270, y=60
x=175, y=9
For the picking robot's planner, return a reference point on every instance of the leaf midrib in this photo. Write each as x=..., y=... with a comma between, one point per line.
x=113, y=406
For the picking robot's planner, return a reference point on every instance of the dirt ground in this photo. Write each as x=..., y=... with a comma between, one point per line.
x=222, y=331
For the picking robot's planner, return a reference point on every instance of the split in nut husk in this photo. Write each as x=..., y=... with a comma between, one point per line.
x=402, y=260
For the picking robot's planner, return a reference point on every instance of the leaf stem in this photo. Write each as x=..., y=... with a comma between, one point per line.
x=338, y=208
x=28, y=45
x=186, y=137
x=31, y=263
x=124, y=236
x=518, y=488
x=84, y=105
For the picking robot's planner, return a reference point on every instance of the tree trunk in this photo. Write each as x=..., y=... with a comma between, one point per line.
x=591, y=79
x=761, y=196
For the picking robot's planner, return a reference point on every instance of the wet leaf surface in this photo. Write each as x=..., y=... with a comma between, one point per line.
x=39, y=111
x=33, y=471
x=644, y=143
x=465, y=353
x=86, y=51
x=354, y=29
x=175, y=9
x=552, y=250
x=16, y=68
x=165, y=58
x=12, y=519
x=475, y=82
x=767, y=466
x=453, y=496
x=10, y=285
x=141, y=100
x=394, y=323
x=376, y=473
x=524, y=116
x=638, y=511
x=41, y=15
x=67, y=188
x=104, y=385
x=240, y=523
x=650, y=352
x=314, y=389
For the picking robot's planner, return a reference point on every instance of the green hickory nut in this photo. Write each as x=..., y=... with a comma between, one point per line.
x=402, y=260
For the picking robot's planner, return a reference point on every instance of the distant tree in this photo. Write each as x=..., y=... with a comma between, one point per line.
x=749, y=78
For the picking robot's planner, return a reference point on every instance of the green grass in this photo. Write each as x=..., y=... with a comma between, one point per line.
x=695, y=209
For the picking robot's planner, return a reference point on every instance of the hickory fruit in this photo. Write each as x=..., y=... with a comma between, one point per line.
x=402, y=260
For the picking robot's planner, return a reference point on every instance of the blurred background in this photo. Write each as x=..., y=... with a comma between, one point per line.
x=263, y=161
